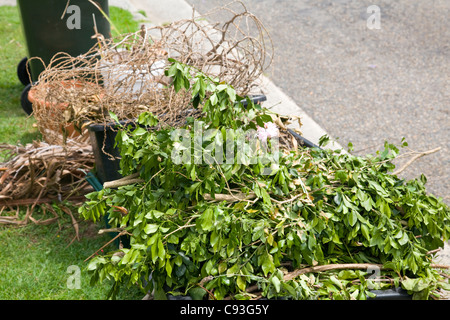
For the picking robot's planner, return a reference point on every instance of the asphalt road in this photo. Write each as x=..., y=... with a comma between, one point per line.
x=365, y=85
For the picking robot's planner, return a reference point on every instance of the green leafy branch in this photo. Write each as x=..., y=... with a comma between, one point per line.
x=224, y=231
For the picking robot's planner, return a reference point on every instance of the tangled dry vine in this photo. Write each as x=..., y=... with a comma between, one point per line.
x=125, y=75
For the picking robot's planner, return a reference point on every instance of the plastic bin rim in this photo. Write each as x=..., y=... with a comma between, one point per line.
x=103, y=126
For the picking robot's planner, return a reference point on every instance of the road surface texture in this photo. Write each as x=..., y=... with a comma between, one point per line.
x=366, y=85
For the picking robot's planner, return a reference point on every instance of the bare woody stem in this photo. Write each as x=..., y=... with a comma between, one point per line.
x=344, y=266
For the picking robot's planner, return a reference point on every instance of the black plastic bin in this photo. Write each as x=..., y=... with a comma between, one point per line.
x=47, y=32
x=391, y=294
x=106, y=155
x=103, y=137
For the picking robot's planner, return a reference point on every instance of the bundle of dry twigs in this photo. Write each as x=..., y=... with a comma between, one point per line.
x=38, y=174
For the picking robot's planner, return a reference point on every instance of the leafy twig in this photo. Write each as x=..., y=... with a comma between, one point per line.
x=106, y=244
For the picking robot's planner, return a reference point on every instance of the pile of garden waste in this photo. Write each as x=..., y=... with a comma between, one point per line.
x=268, y=221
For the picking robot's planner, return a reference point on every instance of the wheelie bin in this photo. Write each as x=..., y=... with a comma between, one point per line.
x=53, y=26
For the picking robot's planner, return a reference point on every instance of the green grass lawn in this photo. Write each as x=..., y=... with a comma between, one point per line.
x=34, y=259
x=123, y=20
x=15, y=126
x=38, y=262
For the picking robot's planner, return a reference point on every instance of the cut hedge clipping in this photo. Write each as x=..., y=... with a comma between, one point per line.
x=315, y=227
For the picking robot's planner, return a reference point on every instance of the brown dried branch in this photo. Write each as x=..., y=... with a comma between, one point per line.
x=417, y=156
x=40, y=173
x=327, y=267
x=344, y=266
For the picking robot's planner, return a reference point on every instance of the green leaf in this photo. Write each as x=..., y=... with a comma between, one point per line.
x=240, y=281
x=404, y=239
x=231, y=93
x=341, y=175
x=267, y=264
x=138, y=220
x=94, y=263
x=194, y=187
x=385, y=209
x=347, y=274
x=214, y=239
x=221, y=87
x=233, y=270
x=380, y=190
x=151, y=228
x=365, y=231
x=352, y=217
x=230, y=251
x=159, y=294
x=276, y=283
x=260, y=122
x=154, y=252
x=178, y=82
x=161, y=250
x=289, y=289
x=354, y=294
x=152, y=214
x=213, y=99
x=270, y=239
x=324, y=140
x=367, y=204
x=114, y=117
x=207, y=219
x=172, y=70
x=139, y=131
x=311, y=242
x=169, y=269
x=180, y=271
x=265, y=196
x=208, y=266
x=128, y=256
x=197, y=293
x=222, y=267
x=336, y=282
x=414, y=284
